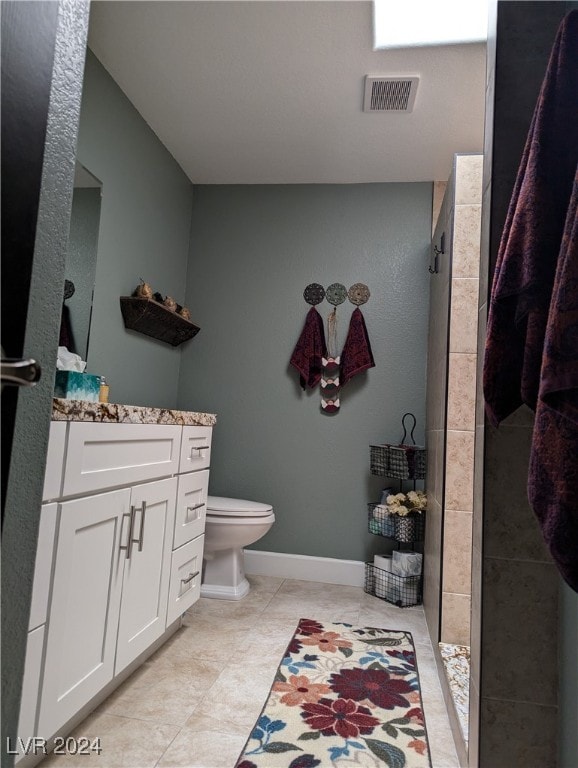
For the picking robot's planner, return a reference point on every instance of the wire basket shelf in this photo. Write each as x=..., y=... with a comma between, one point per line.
x=403, y=591
x=403, y=461
x=407, y=529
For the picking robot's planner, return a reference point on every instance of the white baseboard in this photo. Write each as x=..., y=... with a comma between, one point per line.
x=328, y=570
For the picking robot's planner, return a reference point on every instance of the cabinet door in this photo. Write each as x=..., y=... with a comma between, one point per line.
x=147, y=570
x=83, y=620
x=43, y=566
x=30, y=684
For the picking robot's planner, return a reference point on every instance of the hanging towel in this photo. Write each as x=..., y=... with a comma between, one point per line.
x=309, y=350
x=330, y=386
x=530, y=244
x=553, y=474
x=356, y=355
x=531, y=351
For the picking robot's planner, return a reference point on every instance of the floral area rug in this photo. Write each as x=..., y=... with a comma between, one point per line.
x=343, y=696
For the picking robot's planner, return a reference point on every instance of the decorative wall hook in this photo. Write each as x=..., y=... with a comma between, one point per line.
x=314, y=294
x=358, y=294
x=437, y=253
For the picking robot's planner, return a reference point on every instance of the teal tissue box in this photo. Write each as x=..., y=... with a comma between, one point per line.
x=72, y=385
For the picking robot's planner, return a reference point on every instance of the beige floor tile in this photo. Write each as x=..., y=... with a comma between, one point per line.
x=170, y=696
x=240, y=692
x=316, y=588
x=201, y=722
x=315, y=602
x=204, y=637
x=125, y=742
x=266, y=584
x=203, y=749
x=237, y=613
x=408, y=619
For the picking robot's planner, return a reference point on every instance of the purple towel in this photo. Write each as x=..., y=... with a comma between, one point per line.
x=309, y=350
x=357, y=355
x=531, y=351
x=553, y=475
x=528, y=253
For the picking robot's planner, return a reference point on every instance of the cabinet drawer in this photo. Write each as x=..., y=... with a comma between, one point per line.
x=101, y=456
x=43, y=566
x=191, y=506
x=195, y=448
x=54, y=460
x=185, y=587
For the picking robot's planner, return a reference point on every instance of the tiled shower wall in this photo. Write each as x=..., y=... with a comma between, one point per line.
x=461, y=399
x=451, y=404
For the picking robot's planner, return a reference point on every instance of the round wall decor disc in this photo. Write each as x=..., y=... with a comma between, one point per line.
x=358, y=294
x=336, y=294
x=314, y=294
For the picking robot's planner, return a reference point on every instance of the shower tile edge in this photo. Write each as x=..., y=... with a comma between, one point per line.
x=460, y=745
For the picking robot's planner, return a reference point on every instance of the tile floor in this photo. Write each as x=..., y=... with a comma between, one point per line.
x=194, y=702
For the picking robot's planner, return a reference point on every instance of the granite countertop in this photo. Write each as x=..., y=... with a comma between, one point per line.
x=114, y=413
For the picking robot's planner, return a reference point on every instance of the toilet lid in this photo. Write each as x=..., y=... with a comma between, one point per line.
x=221, y=505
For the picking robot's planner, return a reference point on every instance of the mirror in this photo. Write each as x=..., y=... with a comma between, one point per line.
x=81, y=262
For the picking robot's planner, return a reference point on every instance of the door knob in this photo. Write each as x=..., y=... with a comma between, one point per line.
x=20, y=373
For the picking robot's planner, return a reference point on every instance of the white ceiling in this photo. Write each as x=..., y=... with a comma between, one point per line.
x=270, y=91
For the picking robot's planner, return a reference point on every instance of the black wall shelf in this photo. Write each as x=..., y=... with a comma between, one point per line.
x=153, y=319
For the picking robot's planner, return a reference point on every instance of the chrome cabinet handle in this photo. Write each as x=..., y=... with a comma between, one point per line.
x=190, y=577
x=140, y=540
x=126, y=547
x=199, y=448
x=195, y=507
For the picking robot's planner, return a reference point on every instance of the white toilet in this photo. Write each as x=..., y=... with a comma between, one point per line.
x=231, y=524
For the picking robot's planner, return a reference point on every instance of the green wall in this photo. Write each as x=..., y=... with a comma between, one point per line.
x=144, y=232
x=253, y=251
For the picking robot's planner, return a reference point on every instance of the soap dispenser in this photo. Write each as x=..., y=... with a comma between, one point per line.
x=103, y=392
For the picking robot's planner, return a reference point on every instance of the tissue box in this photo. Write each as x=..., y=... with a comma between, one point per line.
x=406, y=563
x=72, y=385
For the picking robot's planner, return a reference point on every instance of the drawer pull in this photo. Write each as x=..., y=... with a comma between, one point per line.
x=199, y=448
x=190, y=577
x=195, y=507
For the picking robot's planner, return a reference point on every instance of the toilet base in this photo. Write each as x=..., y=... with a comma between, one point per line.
x=224, y=575
x=219, y=592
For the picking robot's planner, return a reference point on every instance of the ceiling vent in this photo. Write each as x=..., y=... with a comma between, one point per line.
x=389, y=94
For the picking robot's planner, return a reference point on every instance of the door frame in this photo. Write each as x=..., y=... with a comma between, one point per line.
x=43, y=54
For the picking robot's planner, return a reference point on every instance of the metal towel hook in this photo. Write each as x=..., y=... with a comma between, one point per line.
x=404, y=438
x=437, y=253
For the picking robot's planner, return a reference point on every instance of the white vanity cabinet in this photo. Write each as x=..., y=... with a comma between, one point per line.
x=119, y=559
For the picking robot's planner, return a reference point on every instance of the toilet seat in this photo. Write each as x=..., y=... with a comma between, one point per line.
x=221, y=506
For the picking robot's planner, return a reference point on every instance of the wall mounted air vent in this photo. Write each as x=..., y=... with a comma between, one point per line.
x=389, y=94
